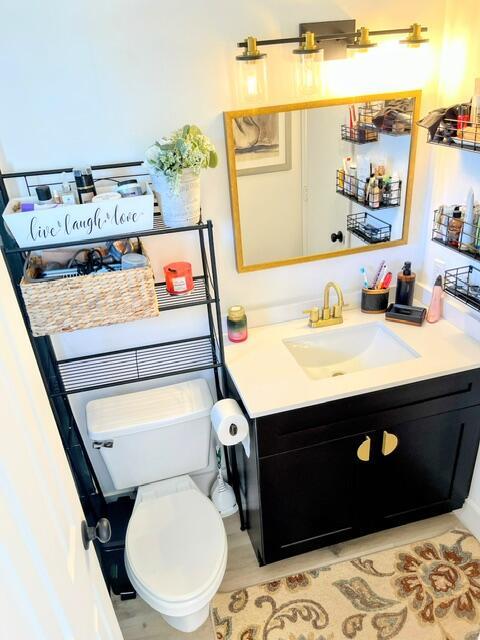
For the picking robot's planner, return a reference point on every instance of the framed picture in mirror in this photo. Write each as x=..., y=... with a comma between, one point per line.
x=310, y=181
x=263, y=143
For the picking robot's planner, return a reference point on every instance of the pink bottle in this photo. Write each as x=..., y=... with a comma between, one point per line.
x=434, y=312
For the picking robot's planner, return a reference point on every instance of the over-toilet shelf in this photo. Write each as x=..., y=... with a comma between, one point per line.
x=67, y=377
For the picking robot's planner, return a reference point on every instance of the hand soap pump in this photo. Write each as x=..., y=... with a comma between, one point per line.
x=405, y=285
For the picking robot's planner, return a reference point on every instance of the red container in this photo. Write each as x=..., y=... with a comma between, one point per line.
x=178, y=278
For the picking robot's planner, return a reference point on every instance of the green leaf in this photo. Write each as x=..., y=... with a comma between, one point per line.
x=185, y=130
x=194, y=130
x=213, y=159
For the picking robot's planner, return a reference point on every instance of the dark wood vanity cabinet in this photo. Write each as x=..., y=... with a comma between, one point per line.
x=324, y=474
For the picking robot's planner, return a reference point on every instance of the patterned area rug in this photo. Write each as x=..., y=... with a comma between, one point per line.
x=429, y=590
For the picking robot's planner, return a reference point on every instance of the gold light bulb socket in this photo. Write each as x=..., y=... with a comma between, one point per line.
x=415, y=37
x=251, y=52
x=309, y=45
x=362, y=40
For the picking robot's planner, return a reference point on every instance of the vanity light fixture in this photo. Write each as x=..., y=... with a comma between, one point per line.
x=317, y=41
x=252, y=71
x=308, y=65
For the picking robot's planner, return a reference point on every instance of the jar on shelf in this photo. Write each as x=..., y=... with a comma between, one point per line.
x=237, y=324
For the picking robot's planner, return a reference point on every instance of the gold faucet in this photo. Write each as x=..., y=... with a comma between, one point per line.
x=329, y=315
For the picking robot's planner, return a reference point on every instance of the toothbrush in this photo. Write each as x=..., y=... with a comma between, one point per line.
x=386, y=281
x=376, y=280
x=381, y=276
x=363, y=271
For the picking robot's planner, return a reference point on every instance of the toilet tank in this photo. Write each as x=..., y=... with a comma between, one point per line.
x=152, y=435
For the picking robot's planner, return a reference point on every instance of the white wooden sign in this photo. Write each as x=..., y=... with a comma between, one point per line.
x=68, y=223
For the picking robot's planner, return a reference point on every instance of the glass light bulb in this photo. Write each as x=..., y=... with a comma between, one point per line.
x=252, y=80
x=308, y=73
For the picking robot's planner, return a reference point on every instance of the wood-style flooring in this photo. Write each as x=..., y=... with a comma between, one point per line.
x=139, y=622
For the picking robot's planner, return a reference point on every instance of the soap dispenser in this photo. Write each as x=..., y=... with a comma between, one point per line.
x=405, y=285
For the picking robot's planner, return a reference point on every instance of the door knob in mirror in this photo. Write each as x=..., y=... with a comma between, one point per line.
x=337, y=236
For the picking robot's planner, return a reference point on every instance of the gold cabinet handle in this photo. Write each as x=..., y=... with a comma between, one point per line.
x=389, y=443
x=363, y=451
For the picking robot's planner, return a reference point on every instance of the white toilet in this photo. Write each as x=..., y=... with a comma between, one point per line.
x=176, y=545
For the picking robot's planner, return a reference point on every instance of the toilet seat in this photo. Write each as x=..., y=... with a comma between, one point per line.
x=176, y=547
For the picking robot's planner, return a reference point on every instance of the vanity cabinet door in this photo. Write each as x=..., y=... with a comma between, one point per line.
x=425, y=466
x=314, y=496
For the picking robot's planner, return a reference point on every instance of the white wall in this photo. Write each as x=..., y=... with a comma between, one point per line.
x=95, y=82
x=453, y=172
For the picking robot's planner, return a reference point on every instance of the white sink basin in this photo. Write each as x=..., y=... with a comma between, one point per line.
x=341, y=351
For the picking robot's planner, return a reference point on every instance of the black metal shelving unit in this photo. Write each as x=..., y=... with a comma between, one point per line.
x=368, y=228
x=349, y=187
x=463, y=283
x=64, y=377
x=456, y=135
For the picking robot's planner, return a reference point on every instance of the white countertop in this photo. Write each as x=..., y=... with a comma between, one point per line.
x=269, y=380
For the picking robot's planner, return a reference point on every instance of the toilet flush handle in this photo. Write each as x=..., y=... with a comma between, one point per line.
x=102, y=532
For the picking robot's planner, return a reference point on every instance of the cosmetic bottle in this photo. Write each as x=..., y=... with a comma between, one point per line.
x=375, y=194
x=85, y=185
x=455, y=226
x=434, y=312
x=363, y=176
x=67, y=195
x=405, y=285
x=237, y=324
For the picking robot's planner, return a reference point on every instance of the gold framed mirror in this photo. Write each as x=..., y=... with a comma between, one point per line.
x=316, y=180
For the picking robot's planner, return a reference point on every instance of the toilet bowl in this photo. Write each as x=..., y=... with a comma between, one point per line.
x=176, y=551
x=176, y=545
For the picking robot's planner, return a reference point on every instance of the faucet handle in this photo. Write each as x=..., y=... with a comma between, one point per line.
x=313, y=314
x=337, y=310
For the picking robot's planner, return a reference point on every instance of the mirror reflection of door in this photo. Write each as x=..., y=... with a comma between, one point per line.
x=307, y=183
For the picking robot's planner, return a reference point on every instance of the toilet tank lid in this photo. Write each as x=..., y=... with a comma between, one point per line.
x=151, y=409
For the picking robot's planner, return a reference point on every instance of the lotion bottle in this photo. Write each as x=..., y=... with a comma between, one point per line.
x=434, y=312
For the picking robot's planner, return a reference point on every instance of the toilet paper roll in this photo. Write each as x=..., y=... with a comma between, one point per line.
x=230, y=424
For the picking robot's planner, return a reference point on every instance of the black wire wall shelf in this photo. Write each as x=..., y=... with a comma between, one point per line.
x=369, y=228
x=359, y=134
x=463, y=283
x=357, y=190
x=457, y=135
x=465, y=242
x=397, y=128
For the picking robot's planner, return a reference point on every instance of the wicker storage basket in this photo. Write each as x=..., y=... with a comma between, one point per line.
x=87, y=301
